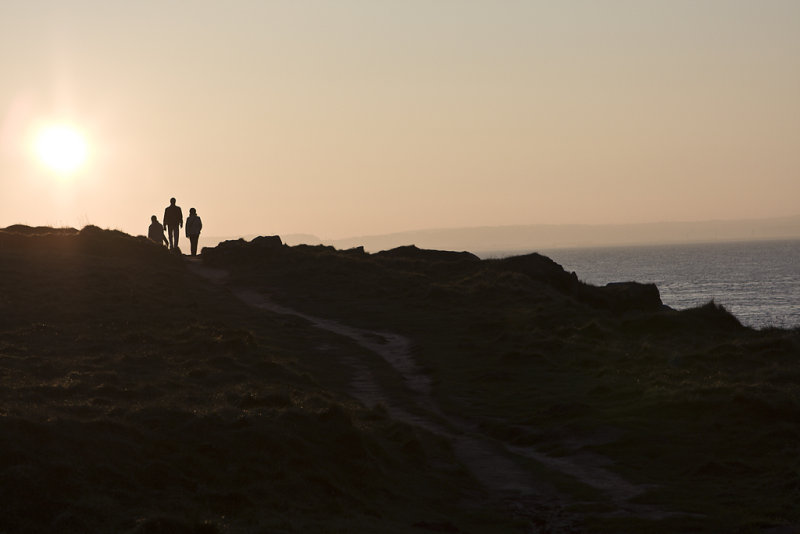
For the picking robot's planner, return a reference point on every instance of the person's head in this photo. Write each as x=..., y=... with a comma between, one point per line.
x=172, y=201
x=192, y=211
x=153, y=219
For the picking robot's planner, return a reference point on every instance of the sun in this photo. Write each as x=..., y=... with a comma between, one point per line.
x=61, y=148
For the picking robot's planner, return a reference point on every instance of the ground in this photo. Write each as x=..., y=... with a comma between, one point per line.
x=264, y=388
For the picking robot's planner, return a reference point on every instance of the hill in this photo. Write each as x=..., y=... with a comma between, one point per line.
x=639, y=417
x=488, y=240
x=270, y=388
x=138, y=397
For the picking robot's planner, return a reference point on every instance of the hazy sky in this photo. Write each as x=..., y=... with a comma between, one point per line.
x=348, y=117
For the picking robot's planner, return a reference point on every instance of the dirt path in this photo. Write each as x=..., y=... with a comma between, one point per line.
x=500, y=467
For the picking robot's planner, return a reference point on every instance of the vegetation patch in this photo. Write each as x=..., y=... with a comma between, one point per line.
x=137, y=397
x=691, y=407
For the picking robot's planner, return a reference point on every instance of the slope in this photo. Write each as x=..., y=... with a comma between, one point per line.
x=648, y=418
x=137, y=397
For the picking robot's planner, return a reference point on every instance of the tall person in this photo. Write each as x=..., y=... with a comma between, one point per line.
x=193, y=227
x=173, y=222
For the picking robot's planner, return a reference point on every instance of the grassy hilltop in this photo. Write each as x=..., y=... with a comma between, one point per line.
x=137, y=396
x=696, y=414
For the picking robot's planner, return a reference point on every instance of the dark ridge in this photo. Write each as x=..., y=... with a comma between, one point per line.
x=624, y=296
x=401, y=268
x=706, y=319
x=619, y=296
x=542, y=269
x=714, y=315
x=90, y=240
x=414, y=253
x=96, y=241
x=37, y=230
x=240, y=249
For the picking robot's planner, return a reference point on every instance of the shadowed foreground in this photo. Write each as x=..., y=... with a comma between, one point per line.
x=642, y=418
x=137, y=396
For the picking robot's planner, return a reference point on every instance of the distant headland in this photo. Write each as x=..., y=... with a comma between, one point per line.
x=487, y=239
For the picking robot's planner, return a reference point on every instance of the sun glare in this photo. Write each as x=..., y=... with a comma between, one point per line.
x=61, y=148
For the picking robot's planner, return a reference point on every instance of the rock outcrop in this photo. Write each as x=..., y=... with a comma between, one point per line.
x=413, y=253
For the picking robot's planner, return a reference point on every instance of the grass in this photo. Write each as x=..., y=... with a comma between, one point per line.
x=136, y=397
x=690, y=404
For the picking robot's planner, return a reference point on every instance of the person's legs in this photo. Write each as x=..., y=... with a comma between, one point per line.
x=172, y=233
x=194, y=239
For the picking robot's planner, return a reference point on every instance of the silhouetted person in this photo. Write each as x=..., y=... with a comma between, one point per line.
x=156, y=232
x=173, y=222
x=193, y=227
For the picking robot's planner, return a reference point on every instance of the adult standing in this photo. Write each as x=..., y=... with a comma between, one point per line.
x=173, y=222
x=193, y=227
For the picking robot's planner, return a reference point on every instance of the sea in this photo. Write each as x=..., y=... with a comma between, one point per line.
x=759, y=282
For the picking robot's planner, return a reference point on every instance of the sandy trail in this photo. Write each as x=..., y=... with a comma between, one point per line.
x=499, y=467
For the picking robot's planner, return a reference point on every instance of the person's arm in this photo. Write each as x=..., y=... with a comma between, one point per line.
x=180, y=217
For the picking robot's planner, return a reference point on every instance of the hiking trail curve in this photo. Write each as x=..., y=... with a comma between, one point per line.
x=500, y=467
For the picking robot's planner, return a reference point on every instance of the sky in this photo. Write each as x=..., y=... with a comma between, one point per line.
x=352, y=117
